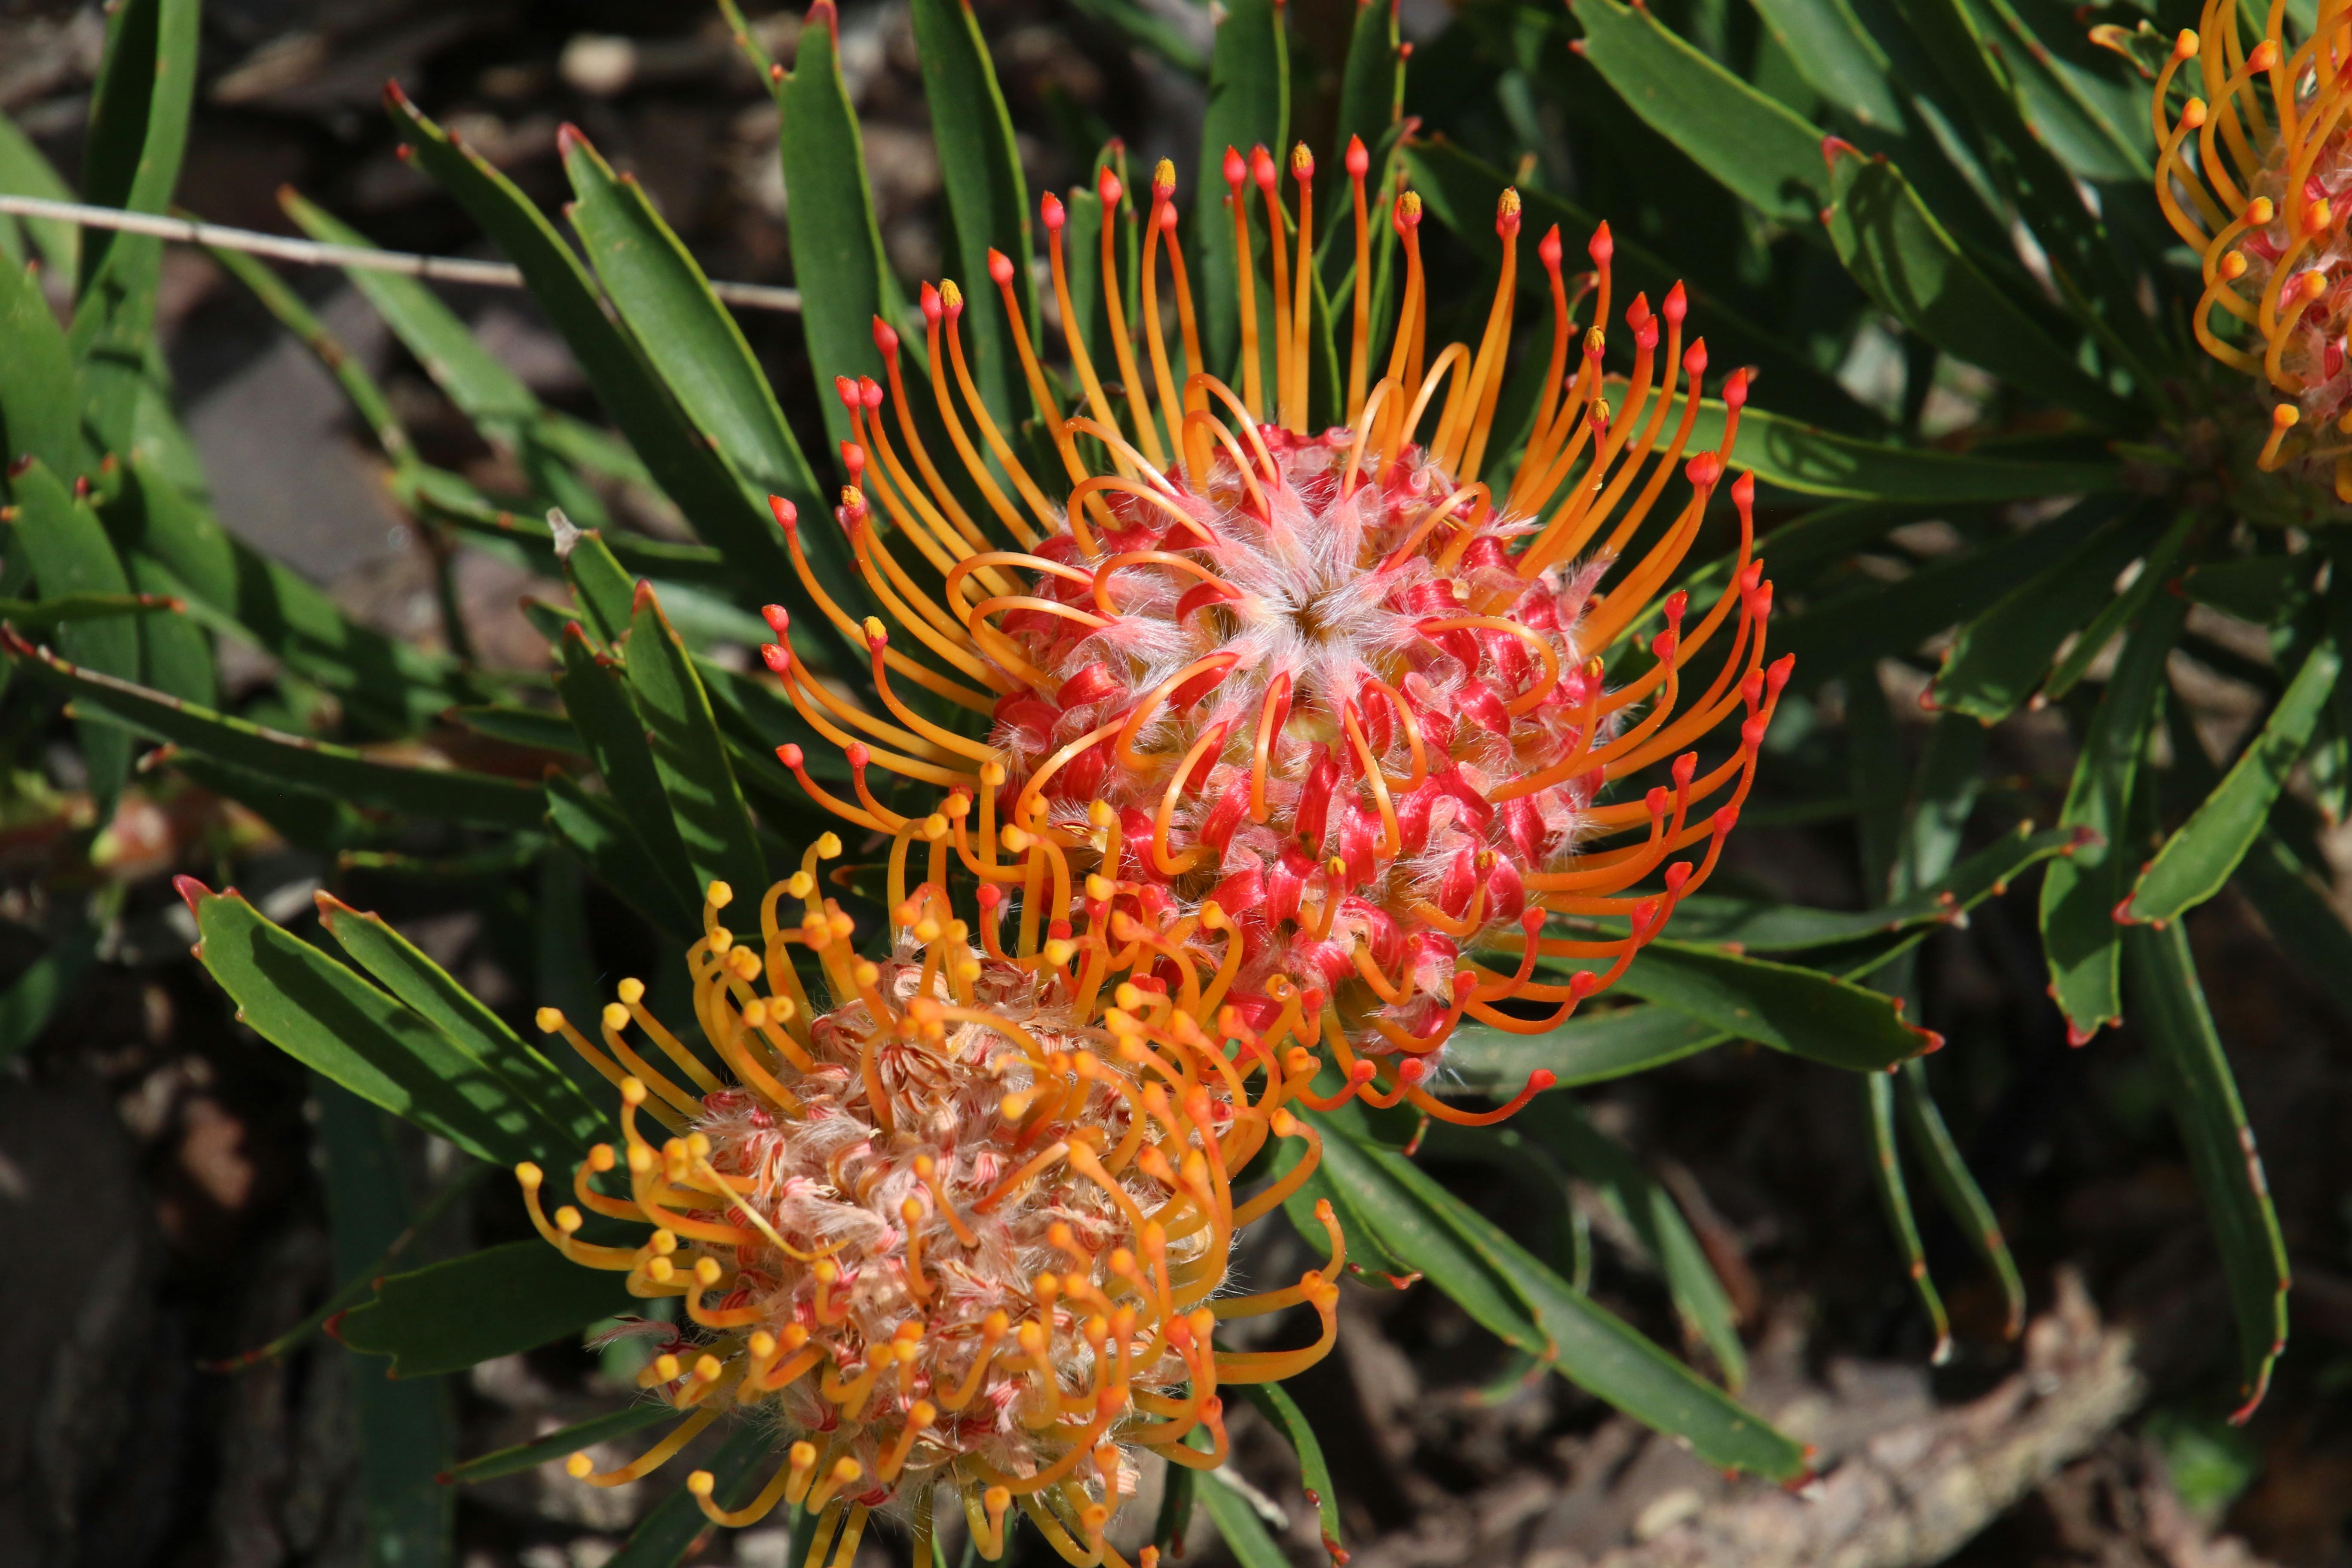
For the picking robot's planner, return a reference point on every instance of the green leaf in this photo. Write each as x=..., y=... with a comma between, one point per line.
x=406, y=1430
x=2202, y=852
x=138, y=133
x=530, y=727
x=608, y=722
x=1147, y=29
x=320, y=1013
x=1837, y=57
x=1236, y=1517
x=1813, y=461
x=1283, y=1414
x=1761, y=151
x=24, y=172
x=2261, y=590
x=450, y=1316
x=70, y=557
x=1586, y=1049
x=559, y=1443
x=721, y=844
x=980, y=169
x=1398, y=1228
x=1888, y=619
x=722, y=506
x=1910, y=264
x=176, y=546
x=1371, y=82
x=2079, y=894
x=1963, y=1198
x=1572, y=1336
x=36, y=395
x=446, y=793
x=2156, y=572
x=1999, y=658
x=2203, y=1097
x=698, y=350
x=1895, y=1197
x=1650, y=1212
x=400, y=968
x=596, y=832
x=1802, y=1011
x=1249, y=104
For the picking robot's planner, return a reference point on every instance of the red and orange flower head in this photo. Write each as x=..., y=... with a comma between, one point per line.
x=1307, y=731
x=959, y=1230
x=2261, y=152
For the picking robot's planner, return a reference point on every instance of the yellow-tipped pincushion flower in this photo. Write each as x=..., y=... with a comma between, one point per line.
x=1297, y=726
x=2255, y=173
x=965, y=1229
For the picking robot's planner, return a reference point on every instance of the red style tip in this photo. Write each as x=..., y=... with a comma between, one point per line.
x=853, y=457
x=1704, y=469
x=191, y=890
x=869, y=393
x=1548, y=250
x=846, y=390
x=1262, y=168
x=859, y=755
x=933, y=307
x=999, y=268
x=790, y=755
x=1743, y=490
x=1236, y=170
x=886, y=339
x=1542, y=1079
x=788, y=516
x=1603, y=245
x=1676, y=305
x=776, y=656
x=1108, y=187
x=779, y=619
x=1695, y=358
x=1359, y=163
x=1050, y=209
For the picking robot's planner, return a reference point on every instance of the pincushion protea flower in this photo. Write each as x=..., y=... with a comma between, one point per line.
x=964, y=1228
x=2266, y=194
x=1319, y=715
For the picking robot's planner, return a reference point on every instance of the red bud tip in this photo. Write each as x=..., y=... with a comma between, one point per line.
x=788, y=516
x=1677, y=305
x=999, y=268
x=869, y=393
x=1108, y=187
x=1542, y=1079
x=779, y=619
x=886, y=339
x=859, y=755
x=853, y=457
x=1734, y=391
x=1236, y=170
x=1603, y=245
x=1547, y=251
x=776, y=656
x=190, y=890
x=1359, y=162
x=1262, y=168
x=1168, y=218
x=1049, y=209
x=1704, y=469
x=846, y=390
x=933, y=308
x=790, y=755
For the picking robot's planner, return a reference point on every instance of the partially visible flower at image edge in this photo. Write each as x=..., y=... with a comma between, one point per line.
x=1285, y=733
x=2264, y=203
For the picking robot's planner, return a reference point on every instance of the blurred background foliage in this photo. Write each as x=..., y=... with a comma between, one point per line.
x=288, y=616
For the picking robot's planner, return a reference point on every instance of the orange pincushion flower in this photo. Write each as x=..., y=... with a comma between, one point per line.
x=1322, y=713
x=959, y=1230
x=2263, y=154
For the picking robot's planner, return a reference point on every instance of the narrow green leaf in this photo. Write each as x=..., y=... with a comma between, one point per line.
x=2261, y=590
x=1144, y=27
x=1314, y=1473
x=1586, y=1049
x=1802, y=1011
x=406, y=1430
x=36, y=395
x=1238, y=1523
x=1761, y=151
x=2156, y=572
x=1249, y=104
x=1910, y=264
x=598, y=702
x=445, y=793
x=2079, y=894
x=1895, y=1197
x=980, y=170
x=320, y=1013
x=450, y=1316
x=1999, y=658
x=24, y=172
x=559, y=1443
x=720, y=505
x=721, y=844
x=2202, y=852
x=1963, y=1198
x=1575, y=1338
x=71, y=557
x=176, y=546
x=837, y=242
x=137, y=133
x=1400, y=1228
x=1837, y=57
x=1813, y=461
x=360, y=388
x=397, y=965
x=595, y=831
x=1646, y=1207
x=530, y=727
x=2203, y=1097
